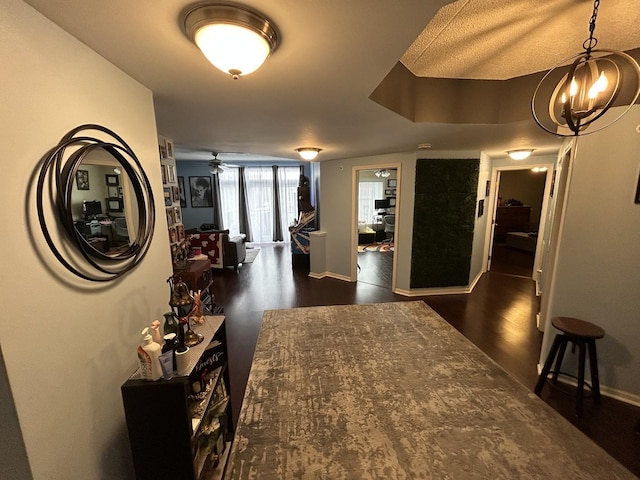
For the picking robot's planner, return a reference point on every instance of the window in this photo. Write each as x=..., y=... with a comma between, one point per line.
x=259, y=182
x=368, y=193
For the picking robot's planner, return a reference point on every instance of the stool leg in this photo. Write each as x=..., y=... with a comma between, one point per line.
x=559, y=359
x=580, y=379
x=547, y=364
x=593, y=367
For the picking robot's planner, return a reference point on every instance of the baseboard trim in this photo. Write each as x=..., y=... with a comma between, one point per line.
x=621, y=395
x=322, y=275
x=425, y=292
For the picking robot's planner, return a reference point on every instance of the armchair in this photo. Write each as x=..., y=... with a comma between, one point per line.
x=222, y=249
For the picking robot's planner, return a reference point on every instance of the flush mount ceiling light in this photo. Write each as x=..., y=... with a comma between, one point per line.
x=520, y=154
x=308, y=153
x=383, y=172
x=234, y=39
x=596, y=80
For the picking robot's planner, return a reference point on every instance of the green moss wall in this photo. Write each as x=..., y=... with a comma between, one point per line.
x=443, y=222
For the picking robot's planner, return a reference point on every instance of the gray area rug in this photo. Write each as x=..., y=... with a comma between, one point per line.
x=392, y=391
x=251, y=255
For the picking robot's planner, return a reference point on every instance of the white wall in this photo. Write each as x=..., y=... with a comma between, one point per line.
x=67, y=345
x=338, y=219
x=336, y=197
x=598, y=275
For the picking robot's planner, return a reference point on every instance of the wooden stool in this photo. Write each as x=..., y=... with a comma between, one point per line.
x=580, y=333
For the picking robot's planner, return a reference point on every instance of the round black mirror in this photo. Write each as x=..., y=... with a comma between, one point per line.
x=110, y=224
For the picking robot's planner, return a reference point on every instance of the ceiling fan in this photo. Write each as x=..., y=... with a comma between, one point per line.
x=215, y=165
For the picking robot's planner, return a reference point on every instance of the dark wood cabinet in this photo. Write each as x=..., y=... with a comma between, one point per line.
x=182, y=428
x=511, y=219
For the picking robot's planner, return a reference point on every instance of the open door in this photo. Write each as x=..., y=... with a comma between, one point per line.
x=551, y=233
x=376, y=191
x=517, y=218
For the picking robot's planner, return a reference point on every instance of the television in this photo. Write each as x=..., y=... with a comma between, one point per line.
x=91, y=209
x=382, y=204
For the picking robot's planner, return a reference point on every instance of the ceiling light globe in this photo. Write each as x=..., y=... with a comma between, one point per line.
x=519, y=154
x=231, y=48
x=308, y=153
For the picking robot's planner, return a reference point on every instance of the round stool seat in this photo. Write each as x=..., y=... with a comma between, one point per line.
x=577, y=328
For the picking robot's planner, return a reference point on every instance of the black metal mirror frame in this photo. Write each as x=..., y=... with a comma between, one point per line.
x=61, y=173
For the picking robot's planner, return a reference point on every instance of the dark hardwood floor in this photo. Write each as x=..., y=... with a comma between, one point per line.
x=498, y=317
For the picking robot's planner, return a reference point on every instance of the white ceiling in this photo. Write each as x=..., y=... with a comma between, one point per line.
x=314, y=90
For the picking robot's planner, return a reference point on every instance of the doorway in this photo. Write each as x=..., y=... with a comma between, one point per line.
x=376, y=194
x=516, y=220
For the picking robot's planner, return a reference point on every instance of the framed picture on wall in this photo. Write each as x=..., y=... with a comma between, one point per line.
x=113, y=191
x=175, y=194
x=169, y=146
x=173, y=235
x=82, y=179
x=392, y=182
x=170, y=217
x=168, y=201
x=171, y=175
x=200, y=189
x=392, y=201
x=183, y=198
x=177, y=214
x=114, y=204
x=112, y=180
x=388, y=192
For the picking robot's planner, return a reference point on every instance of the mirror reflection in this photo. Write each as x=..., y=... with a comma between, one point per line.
x=103, y=204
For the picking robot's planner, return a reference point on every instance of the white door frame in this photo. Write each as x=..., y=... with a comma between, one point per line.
x=495, y=188
x=354, y=217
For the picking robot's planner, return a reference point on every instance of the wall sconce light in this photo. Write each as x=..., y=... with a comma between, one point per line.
x=308, y=153
x=234, y=39
x=592, y=85
x=520, y=154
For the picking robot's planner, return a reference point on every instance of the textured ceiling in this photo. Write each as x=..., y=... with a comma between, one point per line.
x=497, y=39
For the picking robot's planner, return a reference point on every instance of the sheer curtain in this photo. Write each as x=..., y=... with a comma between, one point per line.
x=288, y=179
x=260, y=196
x=229, y=199
x=260, y=184
x=368, y=192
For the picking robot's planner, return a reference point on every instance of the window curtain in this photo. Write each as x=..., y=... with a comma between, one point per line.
x=230, y=199
x=368, y=193
x=244, y=216
x=259, y=183
x=217, y=203
x=277, y=216
x=288, y=180
x=260, y=200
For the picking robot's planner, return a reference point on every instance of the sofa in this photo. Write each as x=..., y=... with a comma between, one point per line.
x=223, y=250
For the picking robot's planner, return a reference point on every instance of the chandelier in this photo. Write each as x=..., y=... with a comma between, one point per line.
x=565, y=104
x=383, y=172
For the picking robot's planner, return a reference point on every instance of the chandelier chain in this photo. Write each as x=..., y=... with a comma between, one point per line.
x=590, y=43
